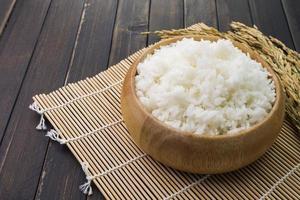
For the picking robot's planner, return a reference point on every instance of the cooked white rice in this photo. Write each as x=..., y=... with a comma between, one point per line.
x=204, y=87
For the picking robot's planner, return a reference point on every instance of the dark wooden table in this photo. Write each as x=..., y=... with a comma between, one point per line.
x=45, y=44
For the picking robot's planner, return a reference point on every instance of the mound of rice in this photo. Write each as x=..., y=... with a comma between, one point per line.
x=204, y=87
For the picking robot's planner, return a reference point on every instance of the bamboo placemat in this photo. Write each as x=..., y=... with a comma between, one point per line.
x=86, y=117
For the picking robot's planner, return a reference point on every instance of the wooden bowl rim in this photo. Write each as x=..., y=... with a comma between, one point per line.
x=151, y=49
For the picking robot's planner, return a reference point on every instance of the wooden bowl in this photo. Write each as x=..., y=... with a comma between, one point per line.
x=199, y=153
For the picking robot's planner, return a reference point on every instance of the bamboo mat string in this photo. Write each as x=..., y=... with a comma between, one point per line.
x=280, y=181
x=54, y=135
x=35, y=107
x=86, y=187
x=187, y=187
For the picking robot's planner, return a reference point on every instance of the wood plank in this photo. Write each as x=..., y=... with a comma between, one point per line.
x=167, y=14
x=6, y=7
x=131, y=20
x=61, y=175
x=23, y=149
x=232, y=10
x=269, y=17
x=16, y=47
x=196, y=11
x=292, y=11
x=91, y=54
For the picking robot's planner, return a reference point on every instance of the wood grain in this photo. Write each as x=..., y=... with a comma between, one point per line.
x=6, y=7
x=131, y=20
x=16, y=47
x=231, y=10
x=292, y=12
x=193, y=153
x=22, y=152
x=91, y=53
x=269, y=17
x=165, y=14
x=196, y=11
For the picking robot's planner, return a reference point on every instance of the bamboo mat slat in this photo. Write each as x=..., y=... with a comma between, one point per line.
x=87, y=118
